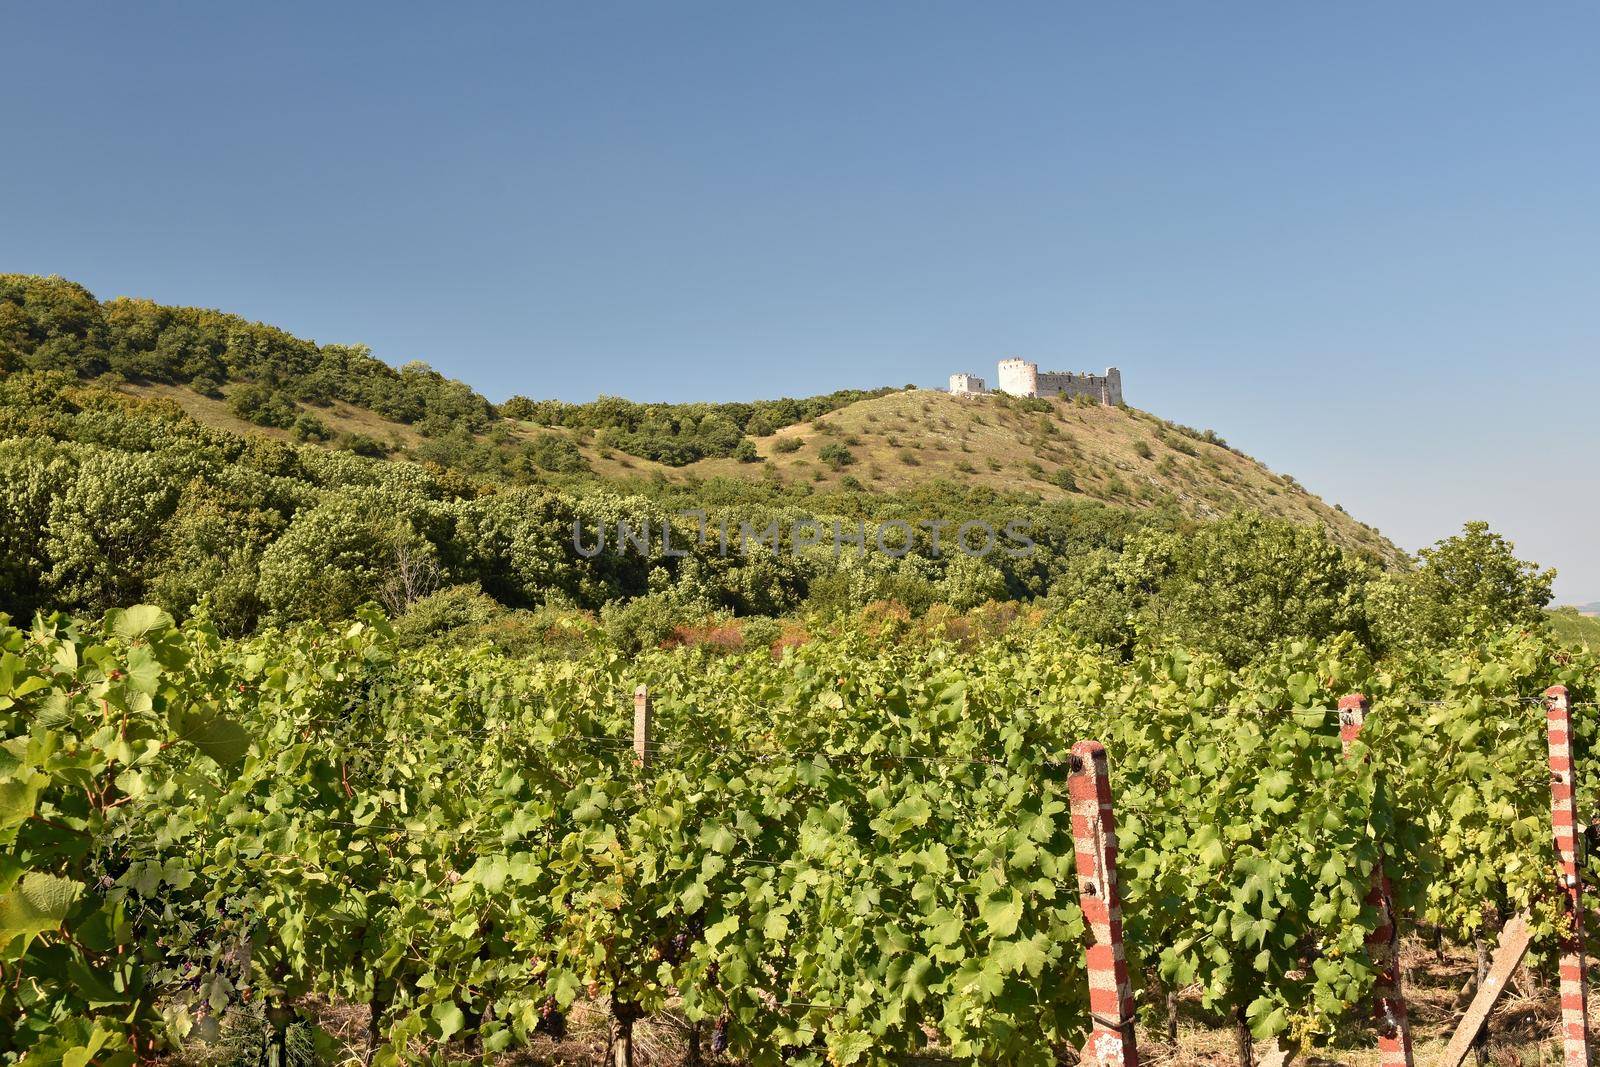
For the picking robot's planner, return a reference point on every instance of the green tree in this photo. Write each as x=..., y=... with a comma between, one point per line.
x=33, y=472
x=1462, y=588
x=1237, y=586
x=210, y=554
x=344, y=552
x=103, y=529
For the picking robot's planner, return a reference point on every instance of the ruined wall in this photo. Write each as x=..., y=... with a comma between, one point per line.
x=1105, y=388
x=1020, y=377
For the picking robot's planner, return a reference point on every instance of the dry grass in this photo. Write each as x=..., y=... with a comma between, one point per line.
x=908, y=439
x=339, y=416
x=1101, y=448
x=1522, y=1029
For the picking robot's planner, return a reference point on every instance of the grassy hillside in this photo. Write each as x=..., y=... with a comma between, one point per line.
x=1575, y=628
x=246, y=377
x=1058, y=450
x=904, y=440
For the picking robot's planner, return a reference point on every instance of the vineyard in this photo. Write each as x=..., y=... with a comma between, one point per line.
x=851, y=852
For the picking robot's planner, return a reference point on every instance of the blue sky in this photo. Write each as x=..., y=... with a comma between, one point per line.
x=1357, y=239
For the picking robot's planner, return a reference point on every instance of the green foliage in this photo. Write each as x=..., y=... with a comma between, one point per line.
x=111, y=499
x=51, y=323
x=99, y=724
x=346, y=551
x=362, y=445
x=102, y=530
x=836, y=455
x=1234, y=588
x=1574, y=628
x=787, y=445
x=307, y=427
x=553, y=452
x=1464, y=586
x=834, y=850
x=679, y=434
x=263, y=406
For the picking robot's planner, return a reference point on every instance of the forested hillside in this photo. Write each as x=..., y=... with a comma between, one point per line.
x=125, y=482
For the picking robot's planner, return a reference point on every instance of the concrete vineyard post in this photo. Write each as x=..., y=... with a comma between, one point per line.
x=1564, y=822
x=1383, y=943
x=644, y=749
x=1094, y=836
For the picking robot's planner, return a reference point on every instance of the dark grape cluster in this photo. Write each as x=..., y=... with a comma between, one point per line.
x=719, y=1035
x=553, y=1019
x=676, y=948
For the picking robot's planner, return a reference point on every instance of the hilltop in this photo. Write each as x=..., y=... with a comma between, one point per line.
x=894, y=442
x=1052, y=449
x=245, y=377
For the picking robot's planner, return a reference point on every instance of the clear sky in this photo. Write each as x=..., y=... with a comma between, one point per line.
x=1361, y=240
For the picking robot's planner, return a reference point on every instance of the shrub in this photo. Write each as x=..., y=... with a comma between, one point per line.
x=260, y=405
x=836, y=456
x=642, y=623
x=786, y=445
x=362, y=445
x=310, y=428
x=553, y=452
x=454, y=608
x=1141, y=449
x=745, y=452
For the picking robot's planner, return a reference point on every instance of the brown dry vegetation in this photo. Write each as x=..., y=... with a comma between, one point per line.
x=1119, y=456
x=990, y=442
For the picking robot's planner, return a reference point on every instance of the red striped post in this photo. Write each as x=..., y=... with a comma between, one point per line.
x=1383, y=943
x=1564, y=821
x=1094, y=836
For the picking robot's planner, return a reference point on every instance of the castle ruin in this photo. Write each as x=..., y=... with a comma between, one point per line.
x=1019, y=377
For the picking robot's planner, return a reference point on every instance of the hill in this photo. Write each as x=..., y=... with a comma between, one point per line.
x=1576, y=626
x=246, y=377
x=1054, y=450
x=894, y=442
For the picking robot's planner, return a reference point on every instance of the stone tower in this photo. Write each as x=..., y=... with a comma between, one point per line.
x=1018, y=377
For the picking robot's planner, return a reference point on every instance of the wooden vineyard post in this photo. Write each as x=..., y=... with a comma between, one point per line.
x=643, y=748
x=1472, y=1031
x=1564, y=821
x=1383, y=943
x=1094, y=836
